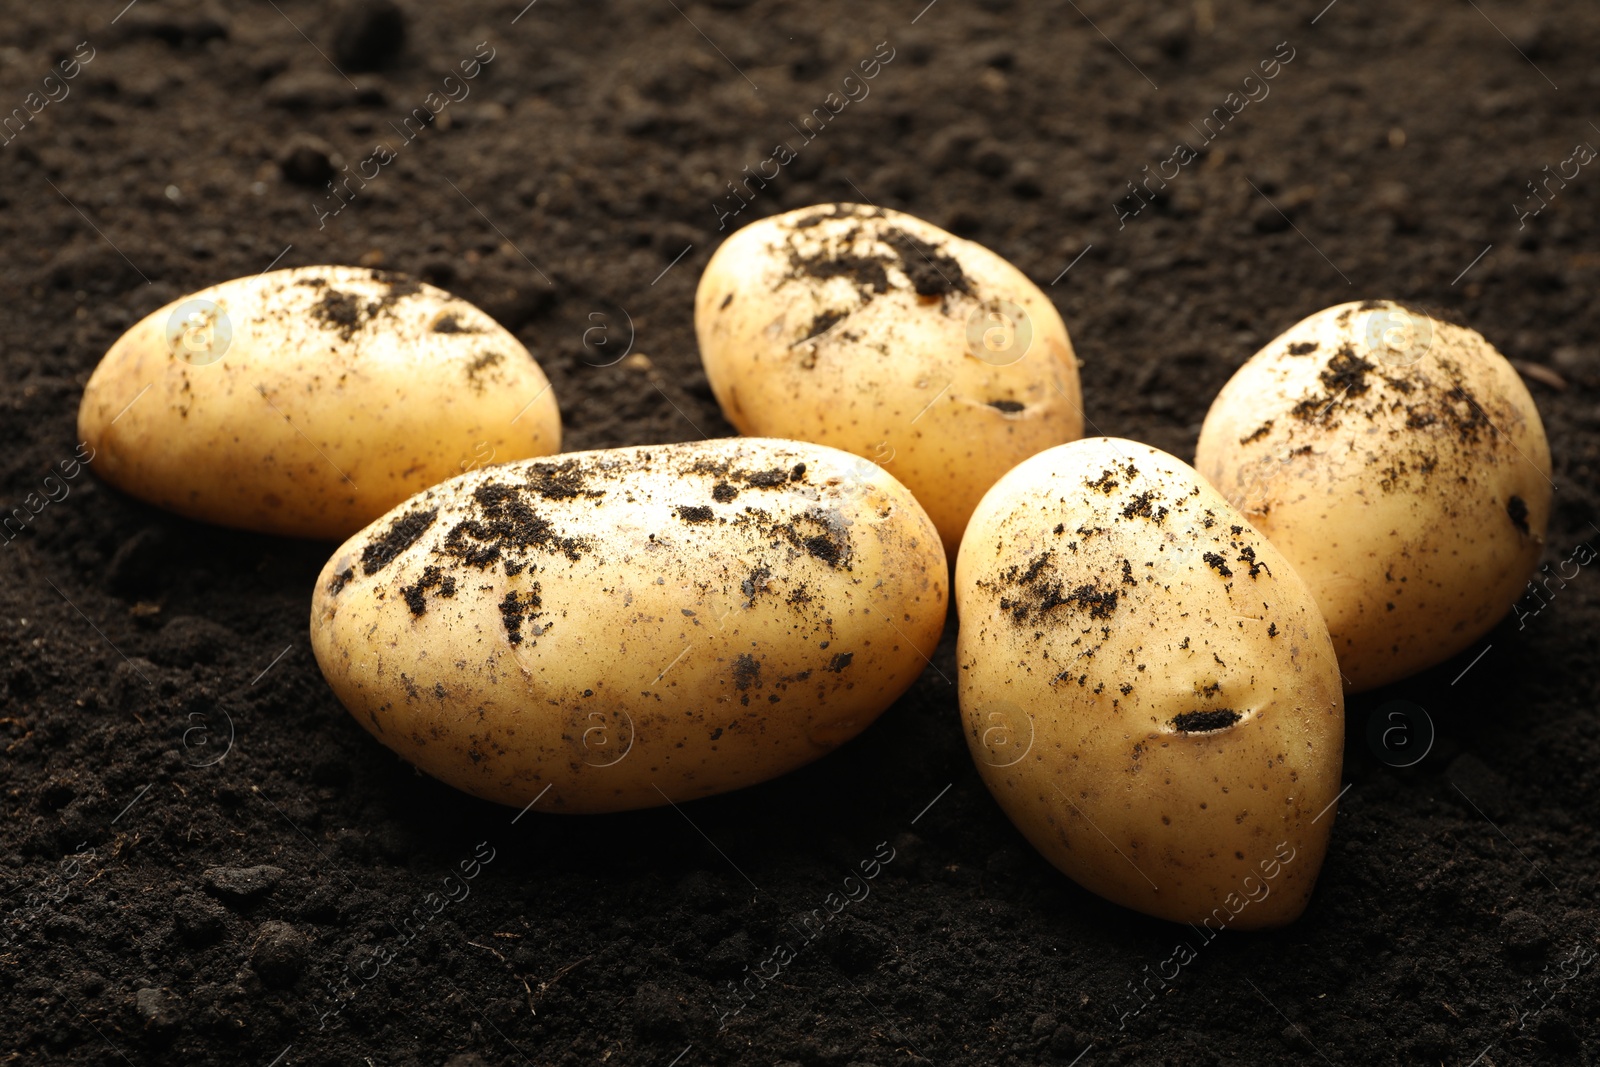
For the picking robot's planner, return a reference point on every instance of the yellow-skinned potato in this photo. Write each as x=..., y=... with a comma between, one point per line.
x=1399, y=463
x=309, y=401
x=626, y=626
x=1147, y=687
x=872, y=331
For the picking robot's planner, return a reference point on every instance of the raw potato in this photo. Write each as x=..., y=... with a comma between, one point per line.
x=1147, y=687
x=1399, y=463
x=878, y=333
x=308, y=402
x=632, y=625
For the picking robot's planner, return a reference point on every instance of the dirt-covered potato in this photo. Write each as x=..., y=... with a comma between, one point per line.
x=309, y=401
x=878, y=333
x=1399, y=463
x=631, y=625
x=1147, y=687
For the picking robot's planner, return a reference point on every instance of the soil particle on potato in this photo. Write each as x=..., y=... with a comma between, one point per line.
x=1302, y=348
x=397, y=286
x=754, y=583
x=340, y=580
x=566, y=480
x=1036, y=592
x=840, y=661
x=768, y=479
x=723, y=493
x=746, y=672
x=1143, y=506
x=823, y=534
x=1217, y=563
x=1517, y=509
x=517, y=608
x=1344, y=378
x=1453, y=407
x=932, y=272
x=1469, y=422
x=347, y=314
x=1247, y=556
x=506, y=526
x=432, y=578
x=1194, y=722
x=822, y=323
x=401, y=535
x=340, y=312
x=695, y=514
x=1098, y=602
x=1257, y=434
x=838, y=211
x=450, y=322
x=867, y=273
x=480, y=363
x=1105, y=483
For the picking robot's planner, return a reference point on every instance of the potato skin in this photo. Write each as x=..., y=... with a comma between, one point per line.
x=1116, y=613
x=861, y=328
x=636, y=624
x=341, y=392
x=1399, y=463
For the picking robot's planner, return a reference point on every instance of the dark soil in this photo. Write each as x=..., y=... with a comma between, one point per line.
x=206, y=860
